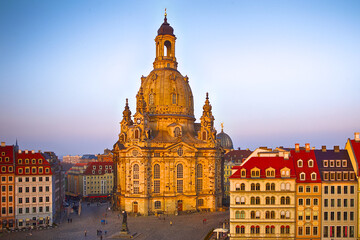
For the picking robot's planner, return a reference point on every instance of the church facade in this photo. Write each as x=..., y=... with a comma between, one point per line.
x=165, y=161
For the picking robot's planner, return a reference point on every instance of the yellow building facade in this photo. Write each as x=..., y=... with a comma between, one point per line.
x=165, y=161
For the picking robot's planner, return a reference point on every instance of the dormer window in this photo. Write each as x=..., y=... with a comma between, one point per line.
x=325, y=163
x=255, y=173
x=94, y=167
x=100, y=167
x=326, y=176
x=338, y=163
x=311, y=163
x=177, y=132
x=302, y=176
x=332, y=163
x=270, y=173
x=243, y=173
x=344, y=163
x=33, y=161
x=339, y=176
x=345, y=175
x=300, y=163
x=313, y=176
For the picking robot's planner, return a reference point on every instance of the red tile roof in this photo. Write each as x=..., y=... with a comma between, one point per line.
x=356, y=148
x=305, y=157
x=32, y=156
x=7, y=159
x=99, y=168
x=264, y=163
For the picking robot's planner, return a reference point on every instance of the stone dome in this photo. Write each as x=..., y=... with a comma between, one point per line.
x=167, y=92
x=225, y=140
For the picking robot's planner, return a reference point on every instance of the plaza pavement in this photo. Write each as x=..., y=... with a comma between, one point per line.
x=184, y=227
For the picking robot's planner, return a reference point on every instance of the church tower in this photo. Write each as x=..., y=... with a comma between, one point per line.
x=165, y=162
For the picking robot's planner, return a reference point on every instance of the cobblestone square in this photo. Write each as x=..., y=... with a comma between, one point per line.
x=187, y=226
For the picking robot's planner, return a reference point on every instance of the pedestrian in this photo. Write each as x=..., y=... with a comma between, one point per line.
x=105, y=232
x=71, y=220
x=85, y=233
x=170, y=223
x=100, y=237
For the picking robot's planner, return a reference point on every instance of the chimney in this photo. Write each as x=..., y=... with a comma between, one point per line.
x=3, y=144
x=323, y=148
x=313, y=148
x=19, y=151
x=297, y=147
x=32, y=151
x=286, y=155
x=336, y=149
x=26, y=151
x=307, y=147
x=357, y=137
x=238, y=148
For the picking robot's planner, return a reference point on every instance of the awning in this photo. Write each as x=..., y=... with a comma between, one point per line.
x=222, y=230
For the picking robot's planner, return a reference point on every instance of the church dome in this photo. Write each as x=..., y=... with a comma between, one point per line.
x=166, y=91
x=225, y=140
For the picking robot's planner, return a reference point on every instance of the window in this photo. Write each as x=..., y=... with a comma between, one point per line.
x=338, y=230
x=300, y=230
x=307, y=230
x=282, y=214
x=242, y=200
x=326, y=176
x=282, y=200
x=136, y=187
x=325, y=163
x=151, y=99
x=40, y=189
x=173, y=97
x=252, y=200
x=300, y=163
x=272, y=200
x=40, y=199
x=332, y=202
x=345, y=189
x=332, y=163
x=243, y=173
x=308, y=189
x=27, y=210
x=287, y=200
x=352, y=189
x=311, y=163
x=47, y=188
x=255, y=173
x=267, y=186
x=253, y=187
x=10, y=188
x=301, y=201
x=307, y=214
x=352, y=202
x=177, y=132
x=40, y=209
x=301, y=189
x=302, y=176
x=344, y=163
x=157, y=204
x=332, y=189
x=258, y=187
x=308, y=201
x=326, y=231
x=27, y=189
x=47, y=209
x=316, y=201
x=332, y=216
x=156, y=176
x=351, y=216
x=20, y=200
x=242, y=187
x=179, y=174
x=34, y=210
x=20, y=210
x=136, y=171
x=345, y=175
x=287, y=186
x=237, y=229
x=326, y=189
x=237, y=214
x=27, y=200
x=326, y=202
x=316, y=189
x=199, y=175
x=315, y=215
x=313, y=176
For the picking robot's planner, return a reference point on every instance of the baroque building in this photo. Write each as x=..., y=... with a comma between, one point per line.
x=165, y=161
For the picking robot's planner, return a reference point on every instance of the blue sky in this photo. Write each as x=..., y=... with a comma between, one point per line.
x=277, y=72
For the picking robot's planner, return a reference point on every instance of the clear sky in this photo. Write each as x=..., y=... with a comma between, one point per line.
x=277, y=72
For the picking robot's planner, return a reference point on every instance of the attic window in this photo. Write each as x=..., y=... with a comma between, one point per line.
x=255, y=173
x=300, y=163
x=33, y=161
x=40, y=161
x=311, y=163
x=344, y=163
x=270, y=173
x=93, y=171
x=94, y=167
x=302, y=176
x=177, y=132
x=338, y=163
x=325, y=163
x=331, y=163
x=313, y=176
x=243, y=173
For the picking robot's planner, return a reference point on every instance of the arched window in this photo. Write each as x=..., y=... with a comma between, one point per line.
x=267, y=214
x=204, y=135
x=242, y=214
x=237, y=229
x=177, y=132
x=252, y=200
x=300, y=163
x=257, y=214
x=151, y=99
x=272, y=229
x=257, y=200
x=237, y=214
x=272, y=215
x=267, y=200
x=252, y=229
x=199, y=175
x=167, y=45
x=237, y=200
x=268, y=187
x=311, y=163
x=287, y=186
x=282, y=200
x=287, y=214
x=288, y=229
x=242, y=200
x=282, y=229
x=136, y=171
x=156, y=178
x=253, y=187
x=179, y=175
x=287, y=200
x=282, y=186
x=258, y=187
x=282, y=214
x=242, y=187
x=237, y=187
x=272, y=200
x=252, y=214
x=273, y=187
x=302, y=176
x=173, y=97
x=136, y=134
